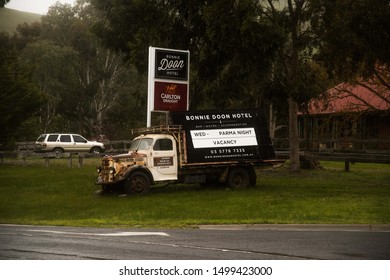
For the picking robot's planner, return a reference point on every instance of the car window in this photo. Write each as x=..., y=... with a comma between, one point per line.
x=163, y=145
x=52, y=138
x=65, y=138
x=79, y=139
x=41, y=138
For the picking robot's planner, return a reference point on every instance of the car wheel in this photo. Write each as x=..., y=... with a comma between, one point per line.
x=58, y=152
x=96, y=150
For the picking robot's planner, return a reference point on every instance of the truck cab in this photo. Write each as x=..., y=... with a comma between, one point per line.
x=161, y=155
x=151, y=158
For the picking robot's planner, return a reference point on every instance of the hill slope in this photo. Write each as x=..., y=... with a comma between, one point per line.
x=10, y=19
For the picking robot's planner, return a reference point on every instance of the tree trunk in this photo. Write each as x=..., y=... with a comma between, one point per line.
x=272, y=121
x=293, y=135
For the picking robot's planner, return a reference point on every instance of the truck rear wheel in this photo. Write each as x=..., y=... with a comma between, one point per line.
x=138, y=183
x=238, y=178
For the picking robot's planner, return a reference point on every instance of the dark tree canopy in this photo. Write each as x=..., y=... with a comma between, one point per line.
x=354, y=35
x=231, y=45
x=20, y=98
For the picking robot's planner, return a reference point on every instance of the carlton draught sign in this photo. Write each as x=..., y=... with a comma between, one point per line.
x=170, y=96
x=168, y=80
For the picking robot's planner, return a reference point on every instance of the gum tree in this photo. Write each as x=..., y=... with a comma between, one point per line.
x=297, y=74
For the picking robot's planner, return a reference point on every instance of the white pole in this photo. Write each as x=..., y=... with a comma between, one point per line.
x=150, y=86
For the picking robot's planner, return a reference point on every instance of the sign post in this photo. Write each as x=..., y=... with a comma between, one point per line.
x=168, y=81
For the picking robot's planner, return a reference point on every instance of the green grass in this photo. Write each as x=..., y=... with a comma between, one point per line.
x=59, y=195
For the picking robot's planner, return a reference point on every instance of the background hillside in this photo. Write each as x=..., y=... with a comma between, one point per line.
x=10, y=19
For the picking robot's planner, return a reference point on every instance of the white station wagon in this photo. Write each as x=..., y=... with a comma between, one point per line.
x=66, y=142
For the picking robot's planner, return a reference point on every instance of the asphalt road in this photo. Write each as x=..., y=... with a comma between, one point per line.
x=269, y=242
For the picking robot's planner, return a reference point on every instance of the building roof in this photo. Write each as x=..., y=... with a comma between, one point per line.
x=351, y=98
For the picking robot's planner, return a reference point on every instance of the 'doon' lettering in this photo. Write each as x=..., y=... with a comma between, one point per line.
x=166, y=64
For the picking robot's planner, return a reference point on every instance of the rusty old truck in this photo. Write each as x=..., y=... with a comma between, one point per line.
x=196, y=147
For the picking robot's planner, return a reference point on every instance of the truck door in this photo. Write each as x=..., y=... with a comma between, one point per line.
x=164, y=159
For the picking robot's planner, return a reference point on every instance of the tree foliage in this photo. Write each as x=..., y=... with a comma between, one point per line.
x=354, y=44
x=96, y=75
x=231, y=45
x=354, y=36
x=297, y=75
x=239, y=49
x=20, y=98
x=50, y=62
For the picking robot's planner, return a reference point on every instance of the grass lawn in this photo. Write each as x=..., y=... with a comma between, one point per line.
x=59, y=195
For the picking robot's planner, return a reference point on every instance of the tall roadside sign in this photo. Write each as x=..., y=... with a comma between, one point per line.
x=168, y=81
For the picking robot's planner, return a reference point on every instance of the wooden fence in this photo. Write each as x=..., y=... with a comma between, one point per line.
x=71, y=158
x=363, y=146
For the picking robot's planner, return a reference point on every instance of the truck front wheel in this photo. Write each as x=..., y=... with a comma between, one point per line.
x=238, y=178
x=138, y=183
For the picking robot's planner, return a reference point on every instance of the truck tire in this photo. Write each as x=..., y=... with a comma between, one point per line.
x=138, y=183
x=238, y=178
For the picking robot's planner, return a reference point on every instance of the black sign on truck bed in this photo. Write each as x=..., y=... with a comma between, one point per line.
x=229, y=135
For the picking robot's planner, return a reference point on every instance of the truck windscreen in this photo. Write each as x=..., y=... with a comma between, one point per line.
x=141, y=144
